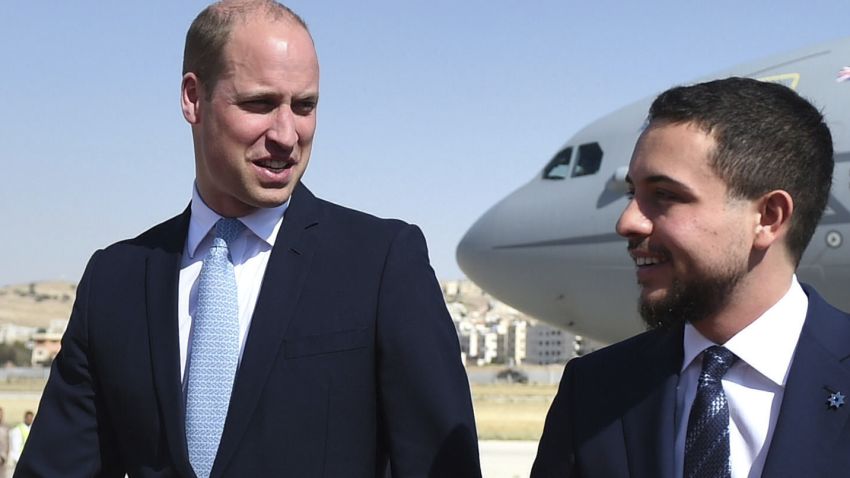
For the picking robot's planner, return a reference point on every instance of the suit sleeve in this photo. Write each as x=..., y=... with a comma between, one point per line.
x=556, y=452
x=68, y=437
x=423, y=389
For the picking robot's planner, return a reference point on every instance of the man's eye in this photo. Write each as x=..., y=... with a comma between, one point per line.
x=303, y=108
x=257, y=106
x=630, y=194
x=664, y=194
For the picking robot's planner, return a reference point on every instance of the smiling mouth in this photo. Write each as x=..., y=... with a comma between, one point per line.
x=275, y=165
x=648, y=261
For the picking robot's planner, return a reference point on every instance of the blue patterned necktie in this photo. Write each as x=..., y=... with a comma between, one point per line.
x=214, y=350
x=707, y=441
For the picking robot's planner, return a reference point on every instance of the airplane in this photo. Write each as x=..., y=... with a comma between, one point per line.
x=549, y=249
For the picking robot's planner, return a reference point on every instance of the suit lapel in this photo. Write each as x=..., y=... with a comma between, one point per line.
x=285, y=273
x=648, y=427
x=162, y=276
x=808, y=431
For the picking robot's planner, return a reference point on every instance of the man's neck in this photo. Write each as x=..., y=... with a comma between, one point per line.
x=752, y=297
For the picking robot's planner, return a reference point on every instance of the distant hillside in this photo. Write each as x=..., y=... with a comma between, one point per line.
x=37, y=303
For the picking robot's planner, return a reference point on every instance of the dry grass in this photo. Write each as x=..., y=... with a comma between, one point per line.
x=511, y=411
x=17, y=395
x=22, y=384
x=36, y=304
x=15, y=407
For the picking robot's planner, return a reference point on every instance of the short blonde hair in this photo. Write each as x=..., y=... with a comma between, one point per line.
x=203, y=54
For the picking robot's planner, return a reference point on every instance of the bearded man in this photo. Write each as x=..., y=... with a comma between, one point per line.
x=743, y=373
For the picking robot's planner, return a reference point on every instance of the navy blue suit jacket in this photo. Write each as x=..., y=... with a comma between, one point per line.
x=613, y=414
x=351, y=365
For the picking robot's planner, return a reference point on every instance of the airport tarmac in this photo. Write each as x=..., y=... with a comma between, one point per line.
x=506, y=459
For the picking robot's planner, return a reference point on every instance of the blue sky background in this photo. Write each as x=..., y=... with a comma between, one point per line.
x=430, y=111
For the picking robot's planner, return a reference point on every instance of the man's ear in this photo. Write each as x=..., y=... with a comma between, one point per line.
x=191, y=92
x=775, y=209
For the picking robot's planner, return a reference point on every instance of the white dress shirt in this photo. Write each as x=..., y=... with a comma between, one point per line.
x=250, y=254
x=754, y=385
x=17, y=440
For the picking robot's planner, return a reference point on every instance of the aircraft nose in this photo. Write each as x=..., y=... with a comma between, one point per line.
x=475, y=252
x=549, y=252
x=486, y=253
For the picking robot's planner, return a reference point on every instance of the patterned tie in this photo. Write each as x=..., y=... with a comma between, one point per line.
x=214, y=350
x=707, y=441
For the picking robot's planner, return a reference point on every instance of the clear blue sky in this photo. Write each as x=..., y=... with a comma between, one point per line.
x=430, y=111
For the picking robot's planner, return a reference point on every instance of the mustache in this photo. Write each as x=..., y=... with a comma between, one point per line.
x=643, y=245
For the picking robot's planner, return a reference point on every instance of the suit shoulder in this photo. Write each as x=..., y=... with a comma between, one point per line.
x=168, y=235
x=354, y=219
x=628, y=346
x=827, y=324
x=614, y=357
x=818, y=305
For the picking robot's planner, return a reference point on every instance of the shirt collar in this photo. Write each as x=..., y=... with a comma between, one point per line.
x=767, y=345
x=264, y=222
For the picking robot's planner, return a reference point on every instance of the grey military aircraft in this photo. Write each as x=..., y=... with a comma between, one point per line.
x=549, y=248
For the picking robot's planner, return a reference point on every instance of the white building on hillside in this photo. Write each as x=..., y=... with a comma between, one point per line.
x=546, y=345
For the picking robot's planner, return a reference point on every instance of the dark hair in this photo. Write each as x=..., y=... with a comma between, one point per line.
x=767, y=138
x=210, y=31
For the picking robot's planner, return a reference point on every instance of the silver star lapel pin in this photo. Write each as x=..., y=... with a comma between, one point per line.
x=835, y=400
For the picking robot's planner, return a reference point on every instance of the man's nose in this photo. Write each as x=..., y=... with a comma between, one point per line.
x=282, y=129
x=633, y=222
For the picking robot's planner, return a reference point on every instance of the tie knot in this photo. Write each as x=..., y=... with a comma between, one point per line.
x=716, y=361
x=227, y=228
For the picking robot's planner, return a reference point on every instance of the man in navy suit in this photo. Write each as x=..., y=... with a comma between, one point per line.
x=348, y=363
x=744, y=370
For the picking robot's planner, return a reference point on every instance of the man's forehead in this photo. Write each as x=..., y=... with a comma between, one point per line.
x=681, y=142
x=250, y=23
x=269, y=52
x=283, y=36
x=672, y=152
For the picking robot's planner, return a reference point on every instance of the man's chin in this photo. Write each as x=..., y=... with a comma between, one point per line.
x=660, y=307
x=653, y=295
x=658, y=313
x=271, y=198
x=691, y=301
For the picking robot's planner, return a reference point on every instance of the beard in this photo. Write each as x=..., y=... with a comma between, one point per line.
x=692, y=300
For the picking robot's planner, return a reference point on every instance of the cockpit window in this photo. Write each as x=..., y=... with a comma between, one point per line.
x=559, y=166
x=589, y=159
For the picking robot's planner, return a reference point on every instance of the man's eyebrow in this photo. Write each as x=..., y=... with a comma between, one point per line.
x=256, y=95
x=660, y=179
x=273, y=95
x=311, y=96
x=664, y=179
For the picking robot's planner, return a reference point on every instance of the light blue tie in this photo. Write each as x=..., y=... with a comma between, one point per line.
x=214, y=350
